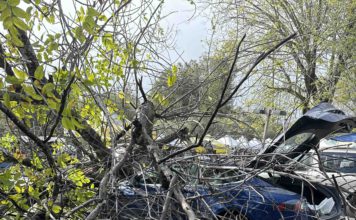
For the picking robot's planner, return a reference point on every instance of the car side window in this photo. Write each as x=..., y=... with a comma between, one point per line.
x=339, y=162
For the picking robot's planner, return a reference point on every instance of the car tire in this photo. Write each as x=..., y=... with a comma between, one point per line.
x=232, y=216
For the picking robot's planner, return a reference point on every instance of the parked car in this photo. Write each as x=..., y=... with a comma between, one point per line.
x=335, y=158
x=215, y=193
x=276, y=193
x=294, y=145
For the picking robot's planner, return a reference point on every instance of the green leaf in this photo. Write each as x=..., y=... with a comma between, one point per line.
x=47, y=88
x=20, y=13
x=20, y=74
x=16, y=41
x=13, y=30
x=67, y=123
x=28, y=10
x=36, y=161
x=77, y=124
x=20, y=24
x=31, y=91
x=78, y=32
x=89, y=24
x=5, y=13
x=174, y=69
x=39, y=73
x=3, y=5
x=51, y=19
x=63, y=159
x=1, y=83
x=52, y=104
x=8, y=23
x=92, y=12
x=13, y=80
x=13, y=2
x=56, y=209
x=91, y=77
x=6, y=100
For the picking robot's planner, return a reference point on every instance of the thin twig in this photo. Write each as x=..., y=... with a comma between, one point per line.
x=221, y=102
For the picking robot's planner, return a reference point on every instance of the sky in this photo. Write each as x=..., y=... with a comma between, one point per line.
x=191, y=28
x=191, y=32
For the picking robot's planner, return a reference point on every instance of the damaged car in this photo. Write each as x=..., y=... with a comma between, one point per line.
x=213, y=193
x=266, y=188
x=335, y=159
x=281, y=157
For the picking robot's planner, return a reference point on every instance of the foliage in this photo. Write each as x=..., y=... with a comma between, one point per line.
x=66, y=69
x=311, y=67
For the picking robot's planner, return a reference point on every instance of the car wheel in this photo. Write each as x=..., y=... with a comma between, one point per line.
x=232, y=216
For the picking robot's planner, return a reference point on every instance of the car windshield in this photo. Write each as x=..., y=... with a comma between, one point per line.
x=293, y=142
x=339, y=162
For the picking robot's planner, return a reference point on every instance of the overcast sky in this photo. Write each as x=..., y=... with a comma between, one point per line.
x=190, y=32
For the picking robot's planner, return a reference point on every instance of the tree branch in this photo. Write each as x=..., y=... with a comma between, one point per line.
x=61, y=108
x=218, y=106
x=44, y=147
x=29, y=55
x=221, y=103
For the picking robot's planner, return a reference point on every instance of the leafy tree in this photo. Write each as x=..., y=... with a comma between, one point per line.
x=78, y=118
x=66, y=69
x=311, y=67
x=196, y=90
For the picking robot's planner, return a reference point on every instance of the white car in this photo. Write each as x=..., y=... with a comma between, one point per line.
x=296, y=147
x=336, y=157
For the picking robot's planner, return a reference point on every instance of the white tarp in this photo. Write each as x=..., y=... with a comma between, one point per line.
x=229, y=141
x=242, y=142
x=254, y=143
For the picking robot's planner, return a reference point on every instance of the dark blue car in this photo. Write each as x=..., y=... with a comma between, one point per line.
x=231, y=194
x=226, y=193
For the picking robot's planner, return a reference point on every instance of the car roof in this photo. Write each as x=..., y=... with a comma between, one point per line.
x=351, y=137
x=339, y=142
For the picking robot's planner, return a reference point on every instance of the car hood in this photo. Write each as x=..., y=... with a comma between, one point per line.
x=319, y=122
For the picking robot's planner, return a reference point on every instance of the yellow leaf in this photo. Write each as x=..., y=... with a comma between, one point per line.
x=200, y=150
x=20, y=74
x=19, y=189
x=121, y=95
